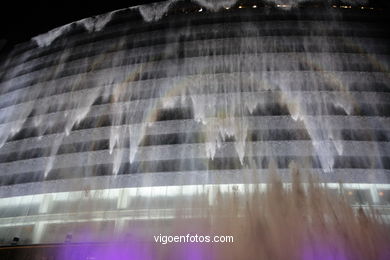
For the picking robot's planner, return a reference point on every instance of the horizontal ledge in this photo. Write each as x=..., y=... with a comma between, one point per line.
x=292, y=61
x=190, y=178
x=344, y=26
x=306, y=101
x=190, y=125
x=163, y=84
x=199, y=151
x=268, y=42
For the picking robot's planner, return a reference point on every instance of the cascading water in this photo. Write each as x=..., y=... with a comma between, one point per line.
x=183, y=93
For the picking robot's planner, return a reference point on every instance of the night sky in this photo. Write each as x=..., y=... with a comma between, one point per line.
x=22, y=20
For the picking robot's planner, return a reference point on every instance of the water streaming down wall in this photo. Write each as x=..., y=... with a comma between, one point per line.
x=193, y=96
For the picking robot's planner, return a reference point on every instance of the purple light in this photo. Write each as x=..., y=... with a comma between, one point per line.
x=108, y=251
x=192, y=251
x=324, y=250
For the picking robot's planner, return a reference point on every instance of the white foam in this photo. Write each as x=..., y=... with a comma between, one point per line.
x=46, y=39
x=155, y=11
x=91, y=24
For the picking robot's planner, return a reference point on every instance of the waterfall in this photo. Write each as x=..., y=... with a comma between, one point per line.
x=196, y=92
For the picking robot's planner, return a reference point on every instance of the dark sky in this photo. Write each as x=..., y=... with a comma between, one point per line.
x=21, y=20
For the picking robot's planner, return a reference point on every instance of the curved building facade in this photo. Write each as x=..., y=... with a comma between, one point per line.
x=156, y=101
